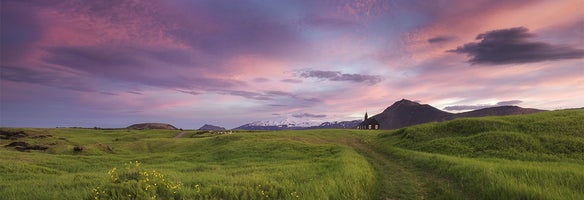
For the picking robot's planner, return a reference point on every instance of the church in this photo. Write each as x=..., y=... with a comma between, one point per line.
x=369, y=123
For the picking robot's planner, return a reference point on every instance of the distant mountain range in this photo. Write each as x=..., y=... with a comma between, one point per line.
x=400, y=114
x=282, y=124
x=338, y=124
x=287, y=124
x=406, y=113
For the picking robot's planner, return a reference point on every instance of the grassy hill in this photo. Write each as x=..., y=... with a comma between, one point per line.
x=537, y=156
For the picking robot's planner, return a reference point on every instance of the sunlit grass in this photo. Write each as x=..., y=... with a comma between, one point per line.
x=245, y=166
x=538, y=156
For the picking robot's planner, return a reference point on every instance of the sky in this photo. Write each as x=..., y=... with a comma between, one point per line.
x=113, y=63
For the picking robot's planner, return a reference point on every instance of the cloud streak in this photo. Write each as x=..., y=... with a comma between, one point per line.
x=481, y=106
x=441, y=39
x=47, y=78
x=512, y=46
x=308, y=115
x=339, y=76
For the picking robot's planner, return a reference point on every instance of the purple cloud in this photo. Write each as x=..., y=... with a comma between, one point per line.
x=338, y=76
x=509, y=103
x=329, y=22
x=261, y=80
x=308, y=115
x=291, y=80
x=21, y=28
x=251, y=95
x=186, y=92
x=481, y=106
x=47, y=78
x=153, y=67
x=441, y=39
x=244, y=29
x=508, y=46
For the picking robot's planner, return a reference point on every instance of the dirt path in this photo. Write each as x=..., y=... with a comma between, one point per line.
x=179, y=135
x=395, y=181
x=399, y=180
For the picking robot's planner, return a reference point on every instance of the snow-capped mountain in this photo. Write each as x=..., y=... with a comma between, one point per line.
x=280, y=124
x=339, y=124
x=288, y=124
x=285, y=123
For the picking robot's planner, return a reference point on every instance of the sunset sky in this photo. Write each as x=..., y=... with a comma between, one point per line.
x=227, y=63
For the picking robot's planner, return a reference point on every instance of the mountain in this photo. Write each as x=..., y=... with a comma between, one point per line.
x=406, y=113
x=144, y=126
x=209, y=127
x=498, y=111
x=338, y=124
x=286, y=124
x=282, y=124
x=400, y=114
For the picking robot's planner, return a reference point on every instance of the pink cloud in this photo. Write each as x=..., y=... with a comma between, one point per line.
x=191, y=61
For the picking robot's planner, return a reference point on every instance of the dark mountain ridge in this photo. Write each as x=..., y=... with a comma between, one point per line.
x=407, y=113
x=209, y=127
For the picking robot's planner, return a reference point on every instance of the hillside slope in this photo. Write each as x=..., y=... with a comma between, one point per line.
x=534, y=156
x=550, y=135
x=146, y=126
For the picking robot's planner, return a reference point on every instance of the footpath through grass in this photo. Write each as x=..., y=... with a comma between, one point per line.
x=538, y=156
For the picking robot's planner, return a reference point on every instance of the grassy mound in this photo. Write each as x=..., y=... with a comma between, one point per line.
x=537, y=156
x=543, y=136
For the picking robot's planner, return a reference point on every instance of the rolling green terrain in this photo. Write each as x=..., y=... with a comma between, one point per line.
x=537, y=156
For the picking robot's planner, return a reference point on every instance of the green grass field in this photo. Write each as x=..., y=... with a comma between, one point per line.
x=538, y=156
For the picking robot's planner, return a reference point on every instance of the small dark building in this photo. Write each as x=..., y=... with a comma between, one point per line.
x=369, y=123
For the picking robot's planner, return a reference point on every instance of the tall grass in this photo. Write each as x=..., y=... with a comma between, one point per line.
x=537, y=156
x=239, y=166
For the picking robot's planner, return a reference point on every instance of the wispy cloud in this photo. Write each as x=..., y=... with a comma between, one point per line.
x=308, y=115
x=339, y=76
x=49, y=78
x=441, y=39
x=261, y=80
x=507, y=46
x=291, y=80
x=480, y=106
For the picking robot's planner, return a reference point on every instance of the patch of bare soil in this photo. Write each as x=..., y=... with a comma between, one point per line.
x=12, y=135
x=23, y=146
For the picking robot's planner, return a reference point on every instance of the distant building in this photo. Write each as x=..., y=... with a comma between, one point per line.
x=369, y=123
